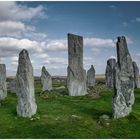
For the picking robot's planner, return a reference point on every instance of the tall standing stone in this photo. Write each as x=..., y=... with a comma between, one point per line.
x=76, y=78
x=109, y=74
x=46, y=80
x=91, y=77
x=136, y=75
x=26, y=106
x=3, y=87
x=123, y=82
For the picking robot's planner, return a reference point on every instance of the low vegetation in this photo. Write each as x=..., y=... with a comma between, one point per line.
x=61, y=116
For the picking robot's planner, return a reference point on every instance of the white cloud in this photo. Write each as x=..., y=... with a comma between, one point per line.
x=11, y=26
x=98, y=42
x=56, y=45
x=138, y=19
x=13, y=16
x=42, y=55
x=56, y=60
x=125, y=24
x=14, y=58
x=35, y=35
x=10, y=10
x=11, y=46
x=14, y=63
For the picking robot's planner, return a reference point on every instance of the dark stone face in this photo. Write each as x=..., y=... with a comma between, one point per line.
x=91, y=77
x=75, y=51
x=110, y=72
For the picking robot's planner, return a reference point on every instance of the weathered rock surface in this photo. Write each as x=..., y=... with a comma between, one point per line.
x=26, y=106
x=76, y=78
x=109, y=74
x=136, y=75
x=3, y=87
x=46, y=80
x=11, y=85
x=91, y=77
x=123, y=82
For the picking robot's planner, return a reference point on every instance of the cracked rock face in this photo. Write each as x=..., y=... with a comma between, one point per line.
x=3, y=85
x=136, y=75
x=91, y=77
x=110, y=72
x=123, y=81
x=46, y=80
x=26, y=106
x=76, y=78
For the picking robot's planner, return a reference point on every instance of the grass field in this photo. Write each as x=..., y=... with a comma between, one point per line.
x=61, y=116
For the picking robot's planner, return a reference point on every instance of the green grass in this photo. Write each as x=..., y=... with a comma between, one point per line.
x=68, y=117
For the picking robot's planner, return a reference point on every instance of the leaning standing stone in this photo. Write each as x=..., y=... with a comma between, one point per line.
x=76, y=78
x=3, y=87
x=25, y=86
x=123, y=82
x=46, y=80
x=110, y=72
x=91, y=77
x=136, y=75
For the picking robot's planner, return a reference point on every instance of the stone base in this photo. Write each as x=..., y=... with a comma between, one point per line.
x=76, y=87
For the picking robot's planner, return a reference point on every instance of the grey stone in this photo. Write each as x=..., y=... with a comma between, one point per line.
x=123, y=82
x=3, y=87
x=76, y=78
x=12, y=85
x=46, y=80
x=109, y=74
x=26, y=106
x=91, y=77
x=136, y=75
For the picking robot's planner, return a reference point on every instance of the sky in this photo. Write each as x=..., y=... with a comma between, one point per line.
x=42, y=28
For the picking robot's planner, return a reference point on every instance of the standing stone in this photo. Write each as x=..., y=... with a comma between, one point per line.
x=46, y=80
x=123, y=82
x=136, y=75
x=91, y=77
x=110, y=72
x=76, y=79
x=12, y=86
x=3, y=87
x=25, y=86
